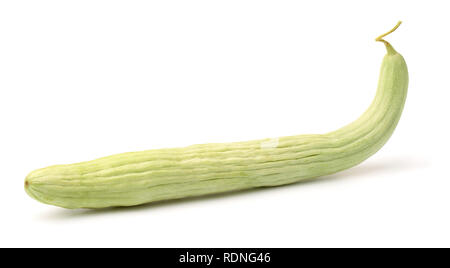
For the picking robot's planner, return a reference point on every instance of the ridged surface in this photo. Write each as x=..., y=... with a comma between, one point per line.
x=141, y=177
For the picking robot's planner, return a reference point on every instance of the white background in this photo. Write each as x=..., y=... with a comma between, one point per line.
x=85, y=79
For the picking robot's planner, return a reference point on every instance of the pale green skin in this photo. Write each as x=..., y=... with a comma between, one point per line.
x=141, y=177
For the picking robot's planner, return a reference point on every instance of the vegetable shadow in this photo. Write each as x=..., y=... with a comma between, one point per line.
x=385, y=166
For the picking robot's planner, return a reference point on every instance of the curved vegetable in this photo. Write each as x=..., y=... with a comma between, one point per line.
x=141, y=177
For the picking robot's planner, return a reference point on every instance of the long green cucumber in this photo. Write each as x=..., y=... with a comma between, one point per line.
x=141, y=177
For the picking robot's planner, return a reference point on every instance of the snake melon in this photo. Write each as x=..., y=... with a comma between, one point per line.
x=141, y=177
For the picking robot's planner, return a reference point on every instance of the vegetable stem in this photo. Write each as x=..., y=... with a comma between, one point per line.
x=390, y=49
